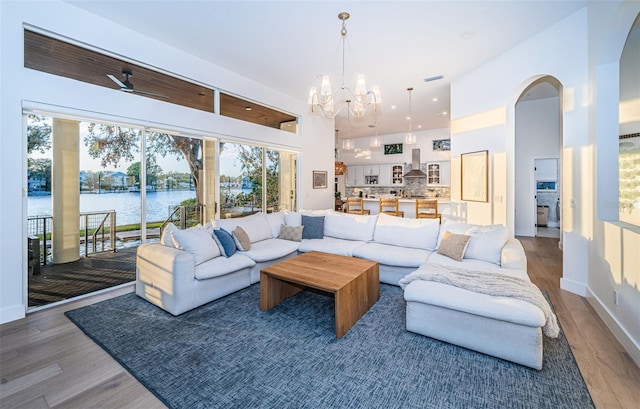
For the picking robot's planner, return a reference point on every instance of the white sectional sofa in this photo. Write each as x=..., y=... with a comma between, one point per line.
x=176, y=275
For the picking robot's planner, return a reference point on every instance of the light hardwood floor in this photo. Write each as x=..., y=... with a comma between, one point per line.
x=47, y=362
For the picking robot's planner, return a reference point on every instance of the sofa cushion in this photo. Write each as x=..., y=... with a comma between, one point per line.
x=330, y=245
x=391, y=255
x=197, y=241
x=500, y=308
x=292, y=218
x=350, y=226
x=222, y=265
x=453, y=245
x=453, y=227
x=242, y=239
x=272, y=249
x=225, y=242
x=275, y=220
x=293, y=233
x=255, y=225
x=398, y=231
x=486, y=243
x=313, y=227
x=477, y=265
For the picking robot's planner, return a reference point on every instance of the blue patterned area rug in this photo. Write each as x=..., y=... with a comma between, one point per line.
x=229, y=354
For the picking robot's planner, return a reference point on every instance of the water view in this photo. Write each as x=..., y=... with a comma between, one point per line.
x=126, y=204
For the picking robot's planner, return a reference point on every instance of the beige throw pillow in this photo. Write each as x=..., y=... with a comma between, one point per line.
x=453, y=245
x=242, y=239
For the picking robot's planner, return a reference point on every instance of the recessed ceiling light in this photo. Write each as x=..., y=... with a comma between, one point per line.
x=435, y=99
x=419, y=126
x=444, y=112
x=393, y=107
x=248, y=108
x=467, y=35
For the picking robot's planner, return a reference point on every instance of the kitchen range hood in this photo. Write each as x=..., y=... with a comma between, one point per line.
x=415, y=171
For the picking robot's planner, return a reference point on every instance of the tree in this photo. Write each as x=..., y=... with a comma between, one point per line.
x=113, y=143
x=38, y=134
x=153, y=170
x=251, y=158
x=40, y=169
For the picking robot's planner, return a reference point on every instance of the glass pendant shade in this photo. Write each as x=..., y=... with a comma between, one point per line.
x=410, y=139
x=375, y=143
x=347, y=145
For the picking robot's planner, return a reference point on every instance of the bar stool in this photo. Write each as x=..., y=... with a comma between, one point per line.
x=355, y=205
x=431, y=207
x=391, y=202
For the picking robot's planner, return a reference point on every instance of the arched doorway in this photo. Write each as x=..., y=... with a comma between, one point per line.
x=537, y=159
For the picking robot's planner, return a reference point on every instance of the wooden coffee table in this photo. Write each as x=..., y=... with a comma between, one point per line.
x=354, y=283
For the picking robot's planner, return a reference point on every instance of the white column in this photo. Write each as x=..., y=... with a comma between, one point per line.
x=208, y=179
x=65, y=191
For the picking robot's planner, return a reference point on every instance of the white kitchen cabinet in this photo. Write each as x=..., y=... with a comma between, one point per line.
x=352, y=171
x=371, y=170
x=384, y=178
x=546, y=170
x=359, y=175
x=433, y=173
x=397, y=175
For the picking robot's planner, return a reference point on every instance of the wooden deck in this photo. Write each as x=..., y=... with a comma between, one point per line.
x=57, y=282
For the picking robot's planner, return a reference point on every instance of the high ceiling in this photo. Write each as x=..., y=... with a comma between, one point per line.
x=396, y=44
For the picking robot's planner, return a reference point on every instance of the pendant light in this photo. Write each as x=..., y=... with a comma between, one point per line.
x=410, y=138
x=347, y=144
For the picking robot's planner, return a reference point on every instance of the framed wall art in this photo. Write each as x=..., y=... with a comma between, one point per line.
x=319, y=179
x=475, y=176
x=441, y=144
x=392, y=148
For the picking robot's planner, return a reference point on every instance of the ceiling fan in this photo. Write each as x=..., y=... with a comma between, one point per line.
x=127, y=86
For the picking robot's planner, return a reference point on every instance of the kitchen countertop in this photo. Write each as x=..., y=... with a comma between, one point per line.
x=409, y=200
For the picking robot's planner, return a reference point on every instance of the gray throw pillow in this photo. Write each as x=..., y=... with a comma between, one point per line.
x=293, y=233
x=313, y=227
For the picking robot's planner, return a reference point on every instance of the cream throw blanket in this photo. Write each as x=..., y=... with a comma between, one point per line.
x=484, y=282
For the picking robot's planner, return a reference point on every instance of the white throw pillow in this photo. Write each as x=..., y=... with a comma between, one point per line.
x=275, y=220
x=293, y=218
x=401, y=232
x=166, y=234
x=350, y=226
x=453, y=227
x=486, y=243
x=255, y=225
x=197, y=241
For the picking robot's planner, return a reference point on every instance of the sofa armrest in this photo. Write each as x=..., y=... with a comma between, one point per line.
x=513, y=255
x=164, y=267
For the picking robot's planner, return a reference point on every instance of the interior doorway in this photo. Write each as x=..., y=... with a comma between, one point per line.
x=538, y=159
x=547, y=197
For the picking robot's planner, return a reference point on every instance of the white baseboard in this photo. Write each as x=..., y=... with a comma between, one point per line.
x=12, y=313
x=573, y=287
x=618, y=331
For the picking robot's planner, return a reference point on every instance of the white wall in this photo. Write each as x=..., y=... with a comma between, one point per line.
x=537, y=126
x=579, y=51
x=31, y=88
x=362, y=153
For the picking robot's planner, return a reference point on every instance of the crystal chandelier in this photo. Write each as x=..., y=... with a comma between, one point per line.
x=410, y=138
x=330, y=101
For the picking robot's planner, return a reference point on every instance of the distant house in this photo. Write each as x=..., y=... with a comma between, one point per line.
x=116, y=180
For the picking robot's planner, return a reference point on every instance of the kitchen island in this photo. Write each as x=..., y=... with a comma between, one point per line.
x=408, y=206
